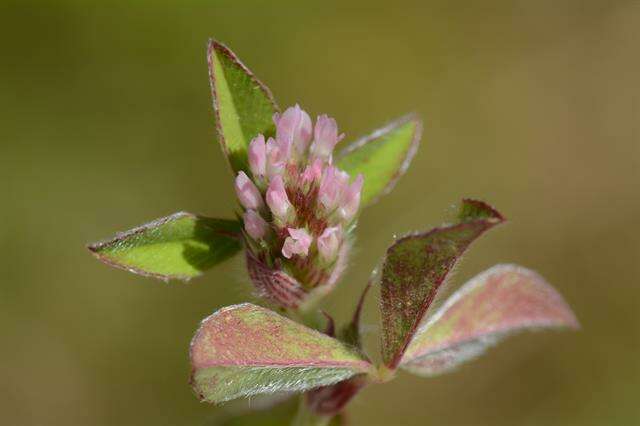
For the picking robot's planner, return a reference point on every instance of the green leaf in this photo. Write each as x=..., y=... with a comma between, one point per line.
x=382, y=157
x=180, y=246
x=497, y=303
x=243, y=105
x=246, y=350
x=414, y=268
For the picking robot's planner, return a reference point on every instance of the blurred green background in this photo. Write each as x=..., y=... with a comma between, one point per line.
x=106, y=122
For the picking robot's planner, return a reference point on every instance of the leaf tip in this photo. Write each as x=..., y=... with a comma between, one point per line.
x=474, y=209
x=92, y=247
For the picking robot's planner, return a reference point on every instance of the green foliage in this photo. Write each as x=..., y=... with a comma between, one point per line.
x=382, y=157
x=414, y=268
x=497, y=303
x=245, y=350
x=180, y=246
x=243, y=105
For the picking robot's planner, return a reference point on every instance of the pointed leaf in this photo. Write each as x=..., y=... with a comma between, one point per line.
x=246, y=350
x=243, y=105
x=414, y=268
x=180, y=246
x=499, y=302
x=382, y=157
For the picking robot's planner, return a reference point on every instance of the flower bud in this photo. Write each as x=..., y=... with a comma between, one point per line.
x=258, y=156
x=334, y=182
x=247, y=192
x=329, y=243
x=277, y=198
x=255, y=225
x=325, y=137
x=297, y=243
x=351, y=199
x=293, y=129
x=276, y=158
x=312, y=173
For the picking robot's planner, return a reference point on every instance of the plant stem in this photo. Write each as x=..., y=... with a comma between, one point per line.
x=305, y=417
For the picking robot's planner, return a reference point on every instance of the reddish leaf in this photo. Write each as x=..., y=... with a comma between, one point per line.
x=501, y=301
x=414, y=268
x=245, y=350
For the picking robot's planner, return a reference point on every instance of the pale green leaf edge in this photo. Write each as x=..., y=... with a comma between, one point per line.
x=246, y=381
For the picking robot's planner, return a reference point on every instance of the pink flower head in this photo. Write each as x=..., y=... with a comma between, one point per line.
x=351, y=199
x=298, y=243
x=325, y=137
x=334, y=182
x=304, y=234
x=247, y=192
x=277, y=198
x=258, y=156
x=255, y=225
x=293, y=129
x=329, y=243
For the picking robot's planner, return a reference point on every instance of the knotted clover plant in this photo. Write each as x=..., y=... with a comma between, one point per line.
x=299, y=202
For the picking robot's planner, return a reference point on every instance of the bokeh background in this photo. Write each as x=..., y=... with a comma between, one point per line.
x=106, y=122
